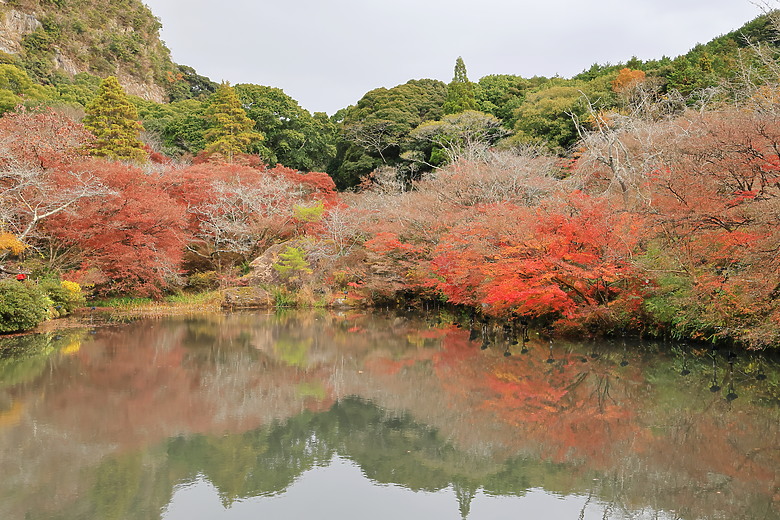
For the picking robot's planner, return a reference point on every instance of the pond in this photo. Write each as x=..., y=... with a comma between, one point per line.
x=381, y=415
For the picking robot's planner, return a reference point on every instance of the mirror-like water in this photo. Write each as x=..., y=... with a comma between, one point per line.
x=329, y=416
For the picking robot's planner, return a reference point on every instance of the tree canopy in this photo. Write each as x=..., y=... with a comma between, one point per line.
x=293, y=137
x=375, y=132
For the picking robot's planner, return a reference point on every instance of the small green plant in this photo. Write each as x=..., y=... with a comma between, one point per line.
x=282, y=297
x=309, y=213
x=292, y=262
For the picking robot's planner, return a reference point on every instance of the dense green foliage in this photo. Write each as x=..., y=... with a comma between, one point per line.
x=186, y=83
x=179, y=126
x=293, y=136
x=16, y=88
x=23, y=305
x=375, y=132
x=464, y=136
x=502, y=94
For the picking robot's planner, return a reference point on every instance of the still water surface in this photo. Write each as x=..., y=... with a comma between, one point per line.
x=319, y=415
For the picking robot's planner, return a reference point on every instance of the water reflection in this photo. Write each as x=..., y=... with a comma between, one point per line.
x=148, y=419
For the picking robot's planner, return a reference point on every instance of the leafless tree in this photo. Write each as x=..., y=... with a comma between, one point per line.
x=375, y=136
x=466, y=136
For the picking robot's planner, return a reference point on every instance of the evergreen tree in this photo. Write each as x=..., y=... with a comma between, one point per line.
x=113, y=120
x=460, y=91
x=686, y=77
x=231, y=129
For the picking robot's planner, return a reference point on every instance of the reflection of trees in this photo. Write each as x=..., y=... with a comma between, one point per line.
x=251, y=402
x=390, y=448
x=121, y=490
x=23, y=359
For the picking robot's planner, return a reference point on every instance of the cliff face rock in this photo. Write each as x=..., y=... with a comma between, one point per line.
x=14, y=25
x=149, y=91
x=102, y=37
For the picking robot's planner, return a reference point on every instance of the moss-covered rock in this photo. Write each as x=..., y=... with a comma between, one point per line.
x=246, y=298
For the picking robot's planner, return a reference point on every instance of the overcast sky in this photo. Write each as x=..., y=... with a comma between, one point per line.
x=327, y=53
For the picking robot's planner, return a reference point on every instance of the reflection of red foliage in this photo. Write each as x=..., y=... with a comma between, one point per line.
x=153, y=387
x=572, y=409
x=456, y=348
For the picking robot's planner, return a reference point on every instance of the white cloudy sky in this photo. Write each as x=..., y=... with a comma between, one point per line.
x=327, y=53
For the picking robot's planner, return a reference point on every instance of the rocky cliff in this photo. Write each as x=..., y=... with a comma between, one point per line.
x=14, y=26
x=52, y=38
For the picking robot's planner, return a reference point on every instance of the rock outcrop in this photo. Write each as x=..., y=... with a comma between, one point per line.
x=94, y=36
x=246, y=298
x=261, y=269
x=15, y=25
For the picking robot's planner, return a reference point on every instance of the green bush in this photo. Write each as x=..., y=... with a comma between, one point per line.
x=65, y=296
x=292, y=262
x=205, y=281
x=23, y=305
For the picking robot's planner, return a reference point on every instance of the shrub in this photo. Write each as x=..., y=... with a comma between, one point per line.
x=23, y=306
x=64, y=295
x=292, y=264
x=282, y=297
x=204, y=281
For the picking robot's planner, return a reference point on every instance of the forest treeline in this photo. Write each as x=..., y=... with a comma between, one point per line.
x=640, y=197
x=379, y=130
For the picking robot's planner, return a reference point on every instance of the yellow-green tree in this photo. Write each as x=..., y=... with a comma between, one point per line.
x=17, y=88
x=231, y=129
x=113, y=120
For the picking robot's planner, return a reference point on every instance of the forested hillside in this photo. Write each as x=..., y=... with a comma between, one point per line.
x=639, y=197
x=54, y=40
x=55, y=52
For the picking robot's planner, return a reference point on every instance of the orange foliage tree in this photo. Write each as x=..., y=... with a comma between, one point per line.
x=565, y=259
x=132, y=239
x=706, y=186
x=627, y=79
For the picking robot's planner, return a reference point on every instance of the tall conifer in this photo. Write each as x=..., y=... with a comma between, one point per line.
x=231, y=129
x=113, y=120
x=460, y=91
